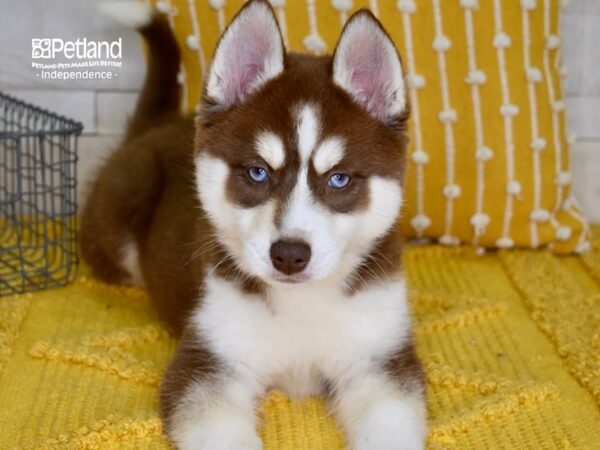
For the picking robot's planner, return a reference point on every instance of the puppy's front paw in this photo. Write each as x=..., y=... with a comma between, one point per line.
x=225, y=433
x=392, y=425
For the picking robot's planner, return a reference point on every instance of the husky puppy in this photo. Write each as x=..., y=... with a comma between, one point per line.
x=266, y=232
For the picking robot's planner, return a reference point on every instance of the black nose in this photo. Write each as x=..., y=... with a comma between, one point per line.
x=290, y=257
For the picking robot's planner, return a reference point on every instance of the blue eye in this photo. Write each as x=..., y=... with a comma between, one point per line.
x=338, y=180
x=258, y=174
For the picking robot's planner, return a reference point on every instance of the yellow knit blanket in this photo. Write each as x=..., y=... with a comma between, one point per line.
x=510, y=342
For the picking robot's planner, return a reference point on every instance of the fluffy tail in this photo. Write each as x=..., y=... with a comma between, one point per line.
x=160, y=94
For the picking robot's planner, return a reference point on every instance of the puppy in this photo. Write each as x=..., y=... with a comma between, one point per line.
x=267, y=232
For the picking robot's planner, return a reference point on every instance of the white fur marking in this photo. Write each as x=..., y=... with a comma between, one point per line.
x=309, y=129
x=270, y=148
x=268, y=345
x=328, y=154
x=211, y=175
x=216, y=415
x=246, y=232
x=266, y=340
x=377, y=415
x=130, y=262
x=227, y=431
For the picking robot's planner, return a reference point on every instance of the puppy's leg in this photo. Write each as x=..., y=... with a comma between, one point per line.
x=384, y=408
x=205, y=405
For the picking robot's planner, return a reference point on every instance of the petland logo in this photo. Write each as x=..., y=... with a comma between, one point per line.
x=50, y=48
x=80, y=54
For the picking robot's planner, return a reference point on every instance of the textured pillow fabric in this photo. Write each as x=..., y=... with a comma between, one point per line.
x=488, y=161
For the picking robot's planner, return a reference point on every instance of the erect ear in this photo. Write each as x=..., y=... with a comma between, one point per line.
x=249, y=54
x=366, y=64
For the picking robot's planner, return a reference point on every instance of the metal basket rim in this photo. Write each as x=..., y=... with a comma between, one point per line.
x=73, y=126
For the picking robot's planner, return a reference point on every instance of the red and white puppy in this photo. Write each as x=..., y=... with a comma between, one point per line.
x=267, y=233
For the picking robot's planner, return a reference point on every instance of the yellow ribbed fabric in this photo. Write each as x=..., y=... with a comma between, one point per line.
x=488, y=158
x=510, y=342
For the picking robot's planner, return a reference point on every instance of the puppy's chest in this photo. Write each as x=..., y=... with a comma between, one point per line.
x=301, y=333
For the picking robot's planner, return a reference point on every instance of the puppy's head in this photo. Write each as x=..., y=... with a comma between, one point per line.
x=299, y=161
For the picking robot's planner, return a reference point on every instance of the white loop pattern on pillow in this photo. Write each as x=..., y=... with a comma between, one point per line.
x=164, y=7
x=407, y=6
x=315, y=43
x=342, y=5
x=569, y=203
x=538, y=144
x=502, y=40
x=469, y=4
x=420, y=157
x=441, y=43
x=552, y=42
x=480, y=221
x=420, y=222
x=513, y=187
x=504, y=242
x=583, y=247
x=509, y=110
x=192, y=42
x=452, y=191
x=476, y=77
x=484, y=153
x=563, y=233
x=528, y=4
x=216, y=4
x=534, y=75
x=447, y=115
x=539, y=215
x=447, y=239
x=278, y=3
x=417, y=81
x=564, y=178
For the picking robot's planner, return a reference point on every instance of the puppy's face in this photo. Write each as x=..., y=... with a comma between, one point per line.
x=299, y=159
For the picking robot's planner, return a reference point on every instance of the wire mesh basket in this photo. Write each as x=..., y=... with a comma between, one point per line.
x=38, y=205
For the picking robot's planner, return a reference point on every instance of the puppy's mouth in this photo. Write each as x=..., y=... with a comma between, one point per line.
x=284, y=279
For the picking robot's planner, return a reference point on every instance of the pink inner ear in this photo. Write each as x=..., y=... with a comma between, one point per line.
x=250, y=51
x=372, y=74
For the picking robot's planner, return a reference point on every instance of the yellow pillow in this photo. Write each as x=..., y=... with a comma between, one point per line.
x=489, y=163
